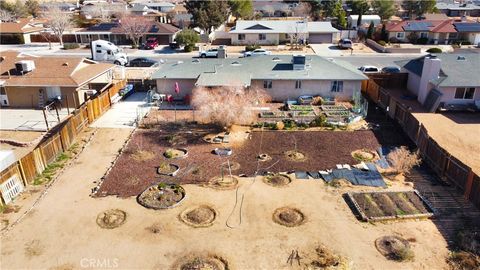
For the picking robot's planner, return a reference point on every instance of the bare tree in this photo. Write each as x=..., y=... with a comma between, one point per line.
x=48, y=37
x=402, y=160
x=228, y=105
x=58, y=21
x=6, y=16
x=269, y=10
x=105, y=12
x=302, y=9
x=135, y=27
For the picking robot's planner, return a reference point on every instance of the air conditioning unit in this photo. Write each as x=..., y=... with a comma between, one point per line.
x=25, y=66
x=91, y=92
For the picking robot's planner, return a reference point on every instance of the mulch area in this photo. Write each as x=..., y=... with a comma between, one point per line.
x=323, y=150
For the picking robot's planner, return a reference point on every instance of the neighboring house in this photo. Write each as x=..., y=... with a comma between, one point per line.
x=19, y=31
x=165, y=33
x=284, y=77
x=437, y=32
x=274, y=32
x=352, y=20
x=158, y=6
x=50, y=77
x=444, y=79
x=103, y=11
x=66, y=7
x=272, y=8
x=458, y=9
x=468, y=32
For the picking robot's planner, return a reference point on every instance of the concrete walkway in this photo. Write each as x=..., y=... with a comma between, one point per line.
x=125, y=113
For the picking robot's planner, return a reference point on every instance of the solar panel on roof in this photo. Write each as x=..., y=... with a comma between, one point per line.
x=467, y=27
x=417, y=26
x=102, y=27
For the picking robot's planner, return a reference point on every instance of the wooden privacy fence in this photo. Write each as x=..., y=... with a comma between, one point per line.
x=61, y=137
x=441, y=161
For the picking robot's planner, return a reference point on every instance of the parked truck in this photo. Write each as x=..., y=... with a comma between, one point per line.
x=105, y=51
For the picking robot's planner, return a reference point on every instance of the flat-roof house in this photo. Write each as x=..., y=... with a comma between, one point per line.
x=444, y=79
x=165, y=33
x=284, y=77
x=458, y=9
x=19, y=31
x=32, y=81
x=274, y=32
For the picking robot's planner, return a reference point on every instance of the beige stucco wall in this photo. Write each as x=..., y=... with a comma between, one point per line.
x=272, y=39
x=167, y=86
x=449, y=96
x=104, y=78
x=27, y=97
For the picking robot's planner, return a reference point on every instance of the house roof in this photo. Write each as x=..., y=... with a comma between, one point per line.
x=467, y=27
x=272, y=67
x=114, y=27
x=22, y=25
x=453, y=70
x=282, y=26
x=435, y=16
x=51, y=70
x=456, y=6
x=442, y=26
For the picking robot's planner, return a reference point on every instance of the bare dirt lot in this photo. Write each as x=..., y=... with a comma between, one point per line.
x=62, y=232
x=458, y=133
x=321, y=150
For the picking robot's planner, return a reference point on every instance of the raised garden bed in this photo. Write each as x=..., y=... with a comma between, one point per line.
x=289, y=217
x=174, y=153
x=390, y=205
x=168, y=169
x=277, y=180
x=199, y=217
x=162, y=196
x=292, y=107
x=333, y=108
x=111, y=218
x=271, y=114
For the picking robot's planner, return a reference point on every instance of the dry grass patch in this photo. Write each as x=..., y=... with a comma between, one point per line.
x=295, y=155
x=142, y=155
x=200, y=216
x=201, y=262
x=289, y=217
x=364, y=155
x=223, y=182
x=277, y=180
x=394, y=248
x=111, y=218
x=33, y=248
x=463, y=261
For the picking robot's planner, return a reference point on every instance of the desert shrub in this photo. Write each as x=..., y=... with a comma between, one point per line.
x=404, y=254
x=422, y=40
x=394, y=40
x=434, y=50
x=289, y=124
x=403, y=160
x=382, y=43
x=70, y=46
x=229, y=105
x=319, y=121
x=252, y=47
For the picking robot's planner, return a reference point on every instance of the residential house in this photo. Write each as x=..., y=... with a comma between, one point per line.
x=436, y=32
x=453, y=9
x=468, y=32
x=274, y=32
x=165, y=33
x=352, y=20
x=19, y=31
x=273, y=8
x=445, y=80
x=158, y=6
x=284, y=77
x=103, y=11
x=45, y=78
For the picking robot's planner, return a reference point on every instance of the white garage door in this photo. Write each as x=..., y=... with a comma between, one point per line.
x=11, y=188
x=320, y=38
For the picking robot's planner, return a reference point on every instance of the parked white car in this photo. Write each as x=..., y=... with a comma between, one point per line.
x=208, y=53
x=369, y=69
x=345, y=43
x=257, y=52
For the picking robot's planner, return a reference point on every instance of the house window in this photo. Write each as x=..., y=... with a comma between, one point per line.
x=400, y=35
x=267, y=84
x=423, y=35
x=337, y=86
x=262, y=36
x=241, y=36
x=298, y=84
x=464, y=93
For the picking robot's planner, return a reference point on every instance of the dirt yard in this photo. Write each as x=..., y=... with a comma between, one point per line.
x=321, y=150
x=62, y=233
x=458, y=133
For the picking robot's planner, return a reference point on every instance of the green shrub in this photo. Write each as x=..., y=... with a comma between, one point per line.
x=188, y=48
x=319, y=121
x=187, y=38
x=70, y=46
x=289, y=124
x=253, y=47
x=422, y=40
x=382, y=43
x=462, y=42
x=434, y=50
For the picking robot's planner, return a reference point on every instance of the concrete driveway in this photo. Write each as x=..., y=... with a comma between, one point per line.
x=125, y=113
x=327, y=49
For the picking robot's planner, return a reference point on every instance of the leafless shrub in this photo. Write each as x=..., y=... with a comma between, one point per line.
x=228, y=105
x=135, y=27
x=403, y=160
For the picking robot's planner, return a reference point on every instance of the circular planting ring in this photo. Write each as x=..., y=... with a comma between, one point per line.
x=289, y=217
x=233, y=165
x=175, y=153
x=224, y=183
x=168, y=169
x=162, y=196
x=295, y=155
x=199, y=217
x=111, y=218
x=364, y=155
x=277, y=180
x=393, y=247
x=201, y=262
x=264, y=157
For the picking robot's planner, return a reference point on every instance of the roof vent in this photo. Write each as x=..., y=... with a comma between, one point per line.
x=65, y=64
x=24, y=66
x=276, y=59
x=461, y=58
x=236, y=63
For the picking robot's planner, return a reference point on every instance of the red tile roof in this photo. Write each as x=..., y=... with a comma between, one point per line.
x=445, y=26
